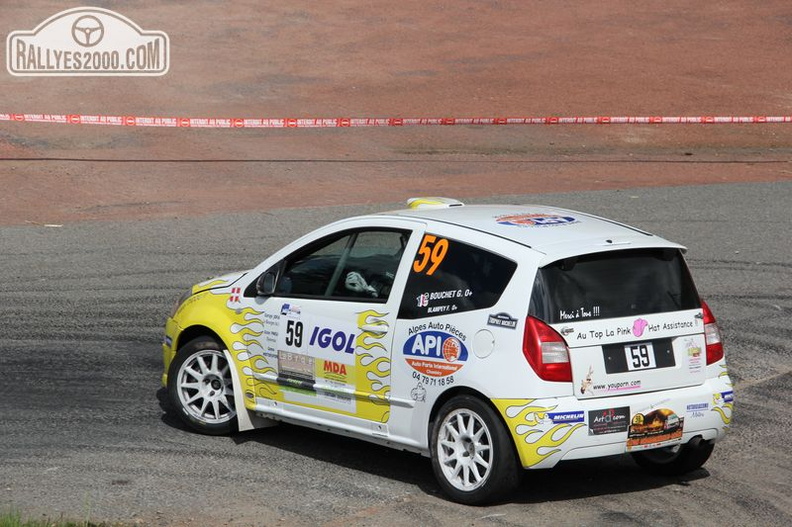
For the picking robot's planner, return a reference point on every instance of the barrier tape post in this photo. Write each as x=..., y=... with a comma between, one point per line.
x=352, y=122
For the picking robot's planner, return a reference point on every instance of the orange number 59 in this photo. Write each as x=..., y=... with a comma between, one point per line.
x=432, y=251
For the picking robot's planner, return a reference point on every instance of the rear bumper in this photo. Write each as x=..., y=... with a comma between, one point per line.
x=546, y=431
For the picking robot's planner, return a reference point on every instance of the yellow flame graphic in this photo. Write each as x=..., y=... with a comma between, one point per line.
x=376, y=368
x=722, y=408
x=214, y=282
x=375, y=329
x=532, y=415
x=725, y=373
x=243, y=341
x=719, y=405
x=529, y=425
x=725, y=413
x=546, y=442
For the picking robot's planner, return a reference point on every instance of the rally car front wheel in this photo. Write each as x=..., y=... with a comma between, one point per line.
x=200, y=387
x=472, y=454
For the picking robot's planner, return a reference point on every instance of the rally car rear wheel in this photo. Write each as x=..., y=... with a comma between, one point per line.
x=675, y=460
x=201, y=389
x=472, y=454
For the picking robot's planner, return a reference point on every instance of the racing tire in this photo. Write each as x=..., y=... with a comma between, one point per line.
x=674, y=460
x=473, y=456
x=200, y=387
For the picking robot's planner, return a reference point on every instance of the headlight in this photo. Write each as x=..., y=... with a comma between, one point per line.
x=187, y=294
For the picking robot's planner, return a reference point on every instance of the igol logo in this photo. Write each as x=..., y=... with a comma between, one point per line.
x=338, y=340
x=435, y=353
x=535, y=220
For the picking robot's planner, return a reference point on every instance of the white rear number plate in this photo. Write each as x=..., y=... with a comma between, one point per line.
x=640, y=356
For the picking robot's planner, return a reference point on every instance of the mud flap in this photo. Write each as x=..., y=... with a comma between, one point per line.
x=246, y=420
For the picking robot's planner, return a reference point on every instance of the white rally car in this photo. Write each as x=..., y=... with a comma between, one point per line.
x=488, y=338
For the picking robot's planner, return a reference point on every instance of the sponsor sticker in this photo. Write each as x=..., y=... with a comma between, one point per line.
x=587, y=383
x=535, y=220
x=418, y=394
x=639, y=328
x=502, y=320
x=566, y=417
x=435, y=353
x=694, y=356
x=609, y=420
x=697, y=409
x=296, y=369
x=325, y=338
x=290, y=310
x=337, y=371
x=613, y=387
x=656, y=428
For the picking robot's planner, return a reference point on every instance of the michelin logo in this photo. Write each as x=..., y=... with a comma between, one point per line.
x=566, y=417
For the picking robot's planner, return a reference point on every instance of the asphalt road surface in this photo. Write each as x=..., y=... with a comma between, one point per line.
x=85, y=433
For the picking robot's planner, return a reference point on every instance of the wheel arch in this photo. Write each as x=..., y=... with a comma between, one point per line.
x=183, y=337
x=195, y=331
x=463, y=390
x=499, y=483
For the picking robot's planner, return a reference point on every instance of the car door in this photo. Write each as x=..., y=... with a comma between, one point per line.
x=328, y=325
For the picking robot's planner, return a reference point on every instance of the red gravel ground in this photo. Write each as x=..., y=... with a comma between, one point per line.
x=354, y=58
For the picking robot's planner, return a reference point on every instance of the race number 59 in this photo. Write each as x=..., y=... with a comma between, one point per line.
x=430, y=254
x=294, y=333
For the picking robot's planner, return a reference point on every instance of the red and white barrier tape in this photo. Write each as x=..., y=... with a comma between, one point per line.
x=349, y=122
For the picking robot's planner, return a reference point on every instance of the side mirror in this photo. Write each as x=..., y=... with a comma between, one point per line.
x=265, y=284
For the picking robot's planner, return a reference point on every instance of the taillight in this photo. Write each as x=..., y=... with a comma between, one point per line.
x=712, y=335
x=546, y=351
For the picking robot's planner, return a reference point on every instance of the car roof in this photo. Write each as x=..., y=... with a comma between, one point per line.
x=554, y=231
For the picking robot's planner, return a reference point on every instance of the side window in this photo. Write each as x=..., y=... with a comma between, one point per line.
x=308, y=272
x=352, y=265
x=448, y=276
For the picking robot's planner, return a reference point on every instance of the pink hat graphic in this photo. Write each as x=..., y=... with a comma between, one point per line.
x=639, y=326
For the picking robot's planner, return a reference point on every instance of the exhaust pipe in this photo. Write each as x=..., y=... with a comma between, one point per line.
x=697, y=443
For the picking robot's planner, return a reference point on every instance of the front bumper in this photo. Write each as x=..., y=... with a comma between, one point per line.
x=169, y=340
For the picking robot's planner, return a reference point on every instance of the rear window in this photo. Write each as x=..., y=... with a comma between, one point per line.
x=613, y=284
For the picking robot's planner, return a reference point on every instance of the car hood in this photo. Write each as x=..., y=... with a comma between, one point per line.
x=219, y=282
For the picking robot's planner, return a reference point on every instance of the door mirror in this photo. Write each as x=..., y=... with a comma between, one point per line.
x=265, y=285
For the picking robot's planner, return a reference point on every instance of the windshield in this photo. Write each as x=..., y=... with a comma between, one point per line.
x=613, y=284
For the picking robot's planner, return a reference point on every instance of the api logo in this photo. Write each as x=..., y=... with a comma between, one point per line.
x=435, y=353
x=535, y=220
